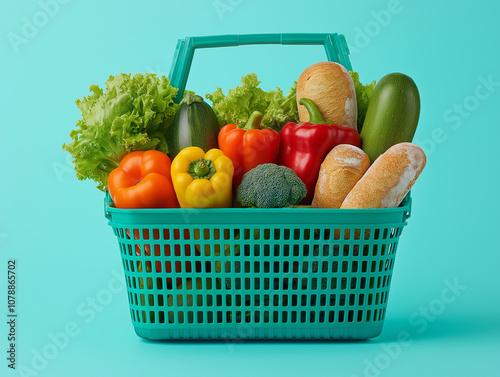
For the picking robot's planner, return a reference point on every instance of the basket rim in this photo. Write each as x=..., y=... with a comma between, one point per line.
x=256, y=216
x=110, y=208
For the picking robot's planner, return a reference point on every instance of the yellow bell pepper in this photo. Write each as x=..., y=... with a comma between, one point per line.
x=202, y=180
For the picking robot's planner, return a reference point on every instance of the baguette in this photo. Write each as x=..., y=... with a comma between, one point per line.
x=331, y=88
x=388, y=180
x=339, y=172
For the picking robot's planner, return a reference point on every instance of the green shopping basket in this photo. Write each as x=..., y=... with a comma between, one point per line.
x=232, y=273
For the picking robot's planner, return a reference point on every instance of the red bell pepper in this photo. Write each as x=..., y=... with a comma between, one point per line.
x=304, y=146
x=248, y=146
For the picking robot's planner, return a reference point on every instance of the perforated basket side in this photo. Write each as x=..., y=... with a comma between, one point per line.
x=218, y=280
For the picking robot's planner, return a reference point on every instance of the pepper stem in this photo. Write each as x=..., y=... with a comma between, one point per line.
x=201, y=169
x=253, y=121
x=314, y=114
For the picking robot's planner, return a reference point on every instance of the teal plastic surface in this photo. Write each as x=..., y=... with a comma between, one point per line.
x=291, y=273
x=335, y=47
x=288, y=273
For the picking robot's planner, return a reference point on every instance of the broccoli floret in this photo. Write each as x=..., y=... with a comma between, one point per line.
x=270, y=186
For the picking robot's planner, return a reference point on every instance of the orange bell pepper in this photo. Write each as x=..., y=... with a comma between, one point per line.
x=143, y=180
x=248, y=146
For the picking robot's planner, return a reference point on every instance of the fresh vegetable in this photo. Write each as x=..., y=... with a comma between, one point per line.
x=195, y=124
x=304, y=146
x=142, y=180
x=248, y=146
x=392, y=114
x=202, y=180
x=133, y=114
x=242, y=100
x=343, y=135
x=270, y=186
x=363, y=95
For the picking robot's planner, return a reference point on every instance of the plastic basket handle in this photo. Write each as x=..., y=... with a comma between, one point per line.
x=335, y=47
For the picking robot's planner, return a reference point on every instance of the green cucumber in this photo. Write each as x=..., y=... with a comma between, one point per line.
x=195, y=124
x=392, y=114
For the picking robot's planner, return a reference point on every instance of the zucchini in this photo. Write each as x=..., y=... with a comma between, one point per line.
x=195, y=124
x=392, y=114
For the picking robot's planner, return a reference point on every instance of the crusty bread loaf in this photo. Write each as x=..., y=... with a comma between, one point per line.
x=340, y=171
x=330, y=87
x=388, y=180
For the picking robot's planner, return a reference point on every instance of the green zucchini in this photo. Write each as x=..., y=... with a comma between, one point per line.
x=392, y=114
x=195, y=124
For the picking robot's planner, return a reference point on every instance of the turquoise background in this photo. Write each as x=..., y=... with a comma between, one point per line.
x=67, y=257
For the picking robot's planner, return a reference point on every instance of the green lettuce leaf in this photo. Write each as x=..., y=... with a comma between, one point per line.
x=363, y=95
x=241, y=101
x=133, y=114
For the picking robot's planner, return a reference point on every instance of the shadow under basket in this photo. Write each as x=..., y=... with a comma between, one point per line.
x=288, y=273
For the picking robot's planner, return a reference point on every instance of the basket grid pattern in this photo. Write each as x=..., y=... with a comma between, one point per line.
x=180, y=277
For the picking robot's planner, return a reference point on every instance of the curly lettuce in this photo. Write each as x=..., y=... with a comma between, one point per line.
x=133, y=114
x=278, y=109
x=241, y=101
x=363, y=95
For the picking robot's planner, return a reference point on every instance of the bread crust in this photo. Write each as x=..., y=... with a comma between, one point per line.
x=389, y=178
x=330, y=87
x=339, y=173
